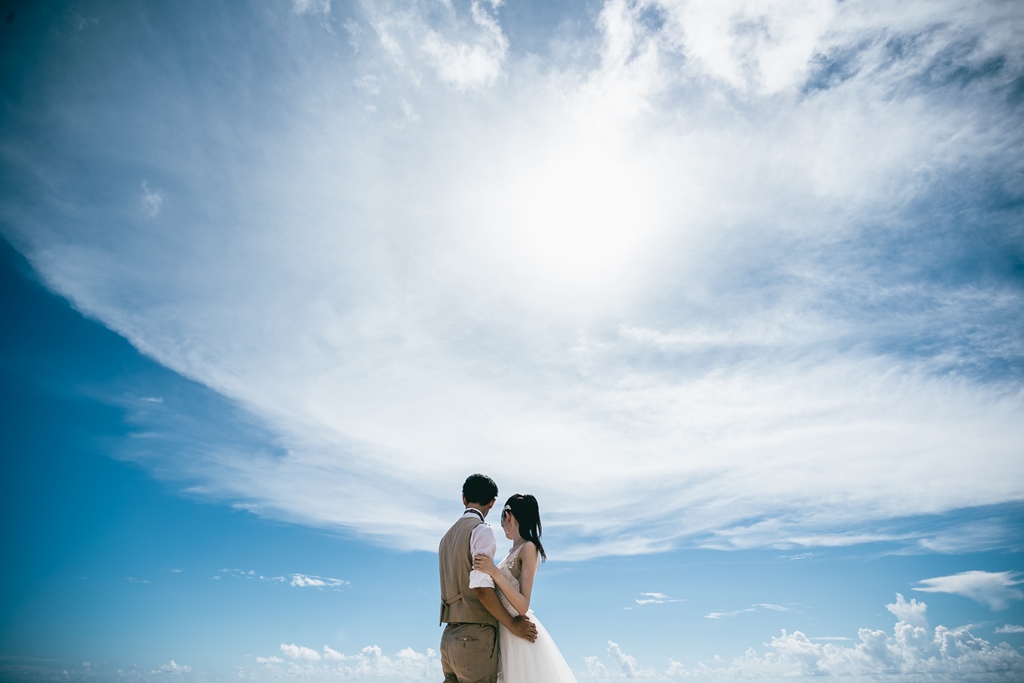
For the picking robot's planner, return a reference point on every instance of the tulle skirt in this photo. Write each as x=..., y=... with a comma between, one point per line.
x=521, y=661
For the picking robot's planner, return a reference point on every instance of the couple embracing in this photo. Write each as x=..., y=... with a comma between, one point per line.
x=491, y=634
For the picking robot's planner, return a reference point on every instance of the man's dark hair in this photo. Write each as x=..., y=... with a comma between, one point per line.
x=479, y=489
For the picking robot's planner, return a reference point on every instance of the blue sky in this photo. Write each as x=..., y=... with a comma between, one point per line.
x=734, y=288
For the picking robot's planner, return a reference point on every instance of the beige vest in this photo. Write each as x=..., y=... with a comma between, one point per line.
x=458, y=602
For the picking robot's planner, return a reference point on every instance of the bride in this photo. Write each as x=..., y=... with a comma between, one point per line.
x=519, y=660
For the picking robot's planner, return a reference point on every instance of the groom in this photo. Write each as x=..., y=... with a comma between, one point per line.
x=469, y=604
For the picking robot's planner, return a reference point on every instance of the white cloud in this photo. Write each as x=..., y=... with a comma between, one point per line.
x=912, y=612
x=300, y=652
x=332, y=655
x=307, y=581
x=909, y=653
x=995, y=589
x=655, y=599
x=1010, y=628
x=622, y=665
x=269, y=660
x=646, y=269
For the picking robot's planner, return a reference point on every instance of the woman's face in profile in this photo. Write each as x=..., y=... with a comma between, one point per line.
x=509, y=525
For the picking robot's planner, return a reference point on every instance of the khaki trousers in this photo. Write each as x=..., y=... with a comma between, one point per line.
x=469, y=653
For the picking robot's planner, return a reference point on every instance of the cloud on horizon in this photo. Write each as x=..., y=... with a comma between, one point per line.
x=751, y=267
x=369, y=664
x=909, y=653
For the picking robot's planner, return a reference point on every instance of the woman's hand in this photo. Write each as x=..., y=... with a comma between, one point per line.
x=485, y=564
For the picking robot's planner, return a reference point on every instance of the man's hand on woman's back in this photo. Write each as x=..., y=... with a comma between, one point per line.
x=524, y=628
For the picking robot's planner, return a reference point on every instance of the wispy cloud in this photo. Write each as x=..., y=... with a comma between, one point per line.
x=753, y=608
x=152, y=200
x=703, y=267
x=995, y=589
x=249, y=575
x=798, y=556
x=1010, y=628
x=723, y=615
x=656, y=599
x=295, y=580
x=835, y=638
x=465, y=51
x=307, y=581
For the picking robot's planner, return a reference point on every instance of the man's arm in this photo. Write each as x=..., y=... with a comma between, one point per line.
x=481, y=542
x=520, y=626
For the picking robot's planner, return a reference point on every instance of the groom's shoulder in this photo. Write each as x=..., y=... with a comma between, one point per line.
x=454, y=531
x=460, y=523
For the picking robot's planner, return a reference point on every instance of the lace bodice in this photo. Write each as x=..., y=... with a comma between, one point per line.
x=510, y=569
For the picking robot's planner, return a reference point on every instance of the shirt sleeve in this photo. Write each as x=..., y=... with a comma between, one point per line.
x=482, y=541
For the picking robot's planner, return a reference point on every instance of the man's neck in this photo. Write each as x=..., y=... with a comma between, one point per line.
x=477, y=509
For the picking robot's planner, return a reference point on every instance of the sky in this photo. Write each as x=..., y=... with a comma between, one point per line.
x=734, y=288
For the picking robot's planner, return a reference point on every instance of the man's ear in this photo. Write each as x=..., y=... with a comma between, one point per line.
x=465, y=503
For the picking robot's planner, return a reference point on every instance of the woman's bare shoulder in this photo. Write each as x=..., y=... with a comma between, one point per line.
x=528, y=552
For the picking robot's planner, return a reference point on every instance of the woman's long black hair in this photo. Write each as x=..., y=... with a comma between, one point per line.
x=524, y=508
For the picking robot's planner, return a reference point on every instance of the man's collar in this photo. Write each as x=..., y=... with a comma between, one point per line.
x=475, y=512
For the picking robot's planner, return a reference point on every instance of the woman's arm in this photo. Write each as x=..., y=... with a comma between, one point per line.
x=519, y=599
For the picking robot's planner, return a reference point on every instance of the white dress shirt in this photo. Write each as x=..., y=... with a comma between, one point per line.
x=482, y=541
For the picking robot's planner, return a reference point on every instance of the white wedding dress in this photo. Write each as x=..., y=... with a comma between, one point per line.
x=519, y=660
